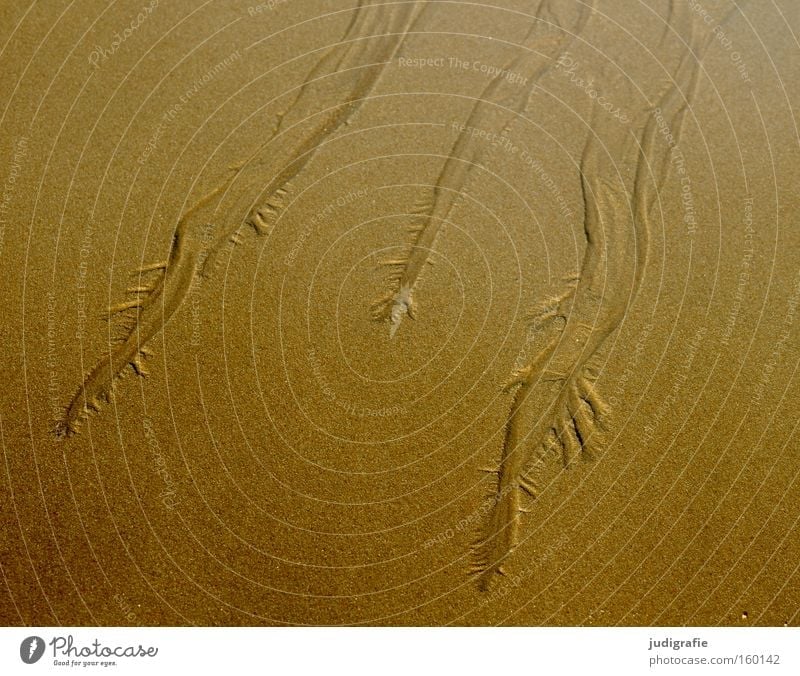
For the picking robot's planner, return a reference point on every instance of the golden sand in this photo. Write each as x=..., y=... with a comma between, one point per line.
x=331, y=312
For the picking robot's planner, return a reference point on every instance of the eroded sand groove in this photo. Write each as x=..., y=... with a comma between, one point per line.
x=370, y=41
x=556, y=387
x=497, y=107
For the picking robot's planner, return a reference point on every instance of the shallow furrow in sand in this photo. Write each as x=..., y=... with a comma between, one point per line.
x=499, y=105
x=369, y=42
x=557, y=385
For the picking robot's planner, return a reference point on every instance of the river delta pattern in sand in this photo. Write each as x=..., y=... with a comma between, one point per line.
x=400, y=313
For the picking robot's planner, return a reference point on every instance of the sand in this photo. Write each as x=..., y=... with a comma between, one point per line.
x=402, y=297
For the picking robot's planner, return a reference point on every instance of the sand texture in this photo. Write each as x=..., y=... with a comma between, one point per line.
x=400, y=313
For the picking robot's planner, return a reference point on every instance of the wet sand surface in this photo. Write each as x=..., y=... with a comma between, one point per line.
x=402, y=296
